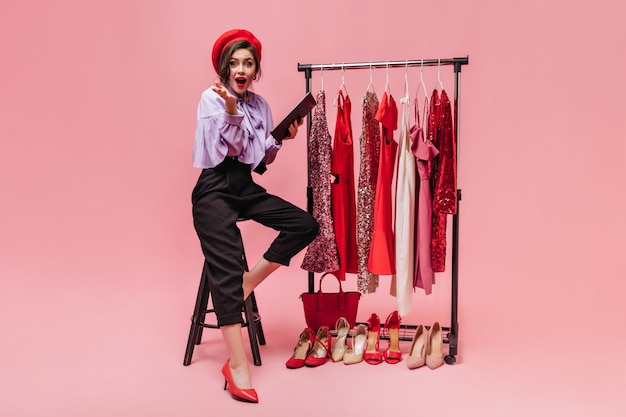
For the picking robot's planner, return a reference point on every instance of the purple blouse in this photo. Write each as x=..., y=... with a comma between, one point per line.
x=245, y=135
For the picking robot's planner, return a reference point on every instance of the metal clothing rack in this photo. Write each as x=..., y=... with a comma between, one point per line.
x=408, y=330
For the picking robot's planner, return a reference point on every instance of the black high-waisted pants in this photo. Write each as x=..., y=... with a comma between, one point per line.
x=221, y=196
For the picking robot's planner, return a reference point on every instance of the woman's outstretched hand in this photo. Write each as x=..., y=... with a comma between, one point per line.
x=231, y=100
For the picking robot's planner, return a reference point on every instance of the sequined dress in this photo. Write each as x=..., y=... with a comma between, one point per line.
x=321, y=254
x=443, y=174
x=368, y=174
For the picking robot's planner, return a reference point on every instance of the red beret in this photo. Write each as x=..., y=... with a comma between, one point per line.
x=229, y=37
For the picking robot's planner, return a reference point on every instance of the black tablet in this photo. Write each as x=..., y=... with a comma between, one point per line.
x=298, y=112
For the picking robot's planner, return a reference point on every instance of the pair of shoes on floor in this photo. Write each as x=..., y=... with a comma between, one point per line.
x=312, y=349
x=390, y=355
x=426, y=348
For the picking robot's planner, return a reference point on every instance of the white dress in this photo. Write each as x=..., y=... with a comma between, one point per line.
x=402, y=281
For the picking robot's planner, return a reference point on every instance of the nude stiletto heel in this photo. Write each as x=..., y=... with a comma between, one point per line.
x=359, y=343
x=342, y=327
x=417, y=353
x=434, y=350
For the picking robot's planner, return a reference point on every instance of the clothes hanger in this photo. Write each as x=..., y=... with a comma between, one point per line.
x=406, y=98
x=426, y=99
x=387, y=88
x=422, y=84
x=342, y=86
x=370, y=87
x=439, y=73
x=322, y=78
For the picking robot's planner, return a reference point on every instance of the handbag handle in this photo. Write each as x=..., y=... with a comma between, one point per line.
x=341, y=299
x=331, y=274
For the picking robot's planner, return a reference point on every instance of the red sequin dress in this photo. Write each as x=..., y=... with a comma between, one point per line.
x=368, y=175
x=382, y=253
x=342, y=192
x=321, y=254
x=443, y=174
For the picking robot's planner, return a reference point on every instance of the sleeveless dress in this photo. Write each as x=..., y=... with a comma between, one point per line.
x=368, y=175
x=443, y=176
x=321, y=254
x=402, y=281
x=342, y=192
x=424, y=151
x=382, y=253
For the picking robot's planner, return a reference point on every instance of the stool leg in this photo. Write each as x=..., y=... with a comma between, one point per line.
x=204, y=302
x=259, y=327
x=251, y=324
x=196, y=319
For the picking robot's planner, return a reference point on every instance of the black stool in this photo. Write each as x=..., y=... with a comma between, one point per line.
x=251, y=318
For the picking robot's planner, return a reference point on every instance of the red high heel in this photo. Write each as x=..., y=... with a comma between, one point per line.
x=372, y=355
x=247, y=395
x=392, y=324
x=321, y=349
x=302, y=349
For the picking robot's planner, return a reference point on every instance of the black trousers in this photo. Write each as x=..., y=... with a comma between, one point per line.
x=223, y=195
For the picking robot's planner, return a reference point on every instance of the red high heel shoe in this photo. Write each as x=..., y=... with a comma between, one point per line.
x=372, y=355
x=302, y=349
x=321, y=349
x=247, y=395
x=392, y=324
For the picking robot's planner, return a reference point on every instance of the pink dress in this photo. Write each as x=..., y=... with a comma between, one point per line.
x=424, y=152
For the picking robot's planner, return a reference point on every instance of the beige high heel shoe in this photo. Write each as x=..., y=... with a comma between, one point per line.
x=359, y=343
x=417, y=353
x=342, y=327
x=434, y=348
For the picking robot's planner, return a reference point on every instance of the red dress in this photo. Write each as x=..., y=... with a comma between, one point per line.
x=342, y=195
x=443, y=174
x=382, y=253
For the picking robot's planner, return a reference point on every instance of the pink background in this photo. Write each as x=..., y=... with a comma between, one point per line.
x=99, y=262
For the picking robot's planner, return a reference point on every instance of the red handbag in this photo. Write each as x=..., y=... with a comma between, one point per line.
x=324, y=308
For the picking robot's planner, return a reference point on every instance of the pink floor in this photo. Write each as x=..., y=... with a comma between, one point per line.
x=103, y=350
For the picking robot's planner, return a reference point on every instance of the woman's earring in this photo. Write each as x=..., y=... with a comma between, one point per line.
x=254, y=77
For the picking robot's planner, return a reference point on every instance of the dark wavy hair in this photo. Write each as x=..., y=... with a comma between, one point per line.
x=224, y=67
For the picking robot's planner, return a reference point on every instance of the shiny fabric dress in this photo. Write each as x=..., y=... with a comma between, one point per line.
x=343, y=198
x=321, y=254
x=443, y=175
x=368, y=175
x=382, y=253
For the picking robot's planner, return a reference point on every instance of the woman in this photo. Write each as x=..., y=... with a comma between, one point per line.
x=233, y=139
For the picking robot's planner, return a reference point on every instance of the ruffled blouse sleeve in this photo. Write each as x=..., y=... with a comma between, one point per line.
x=245, y=135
